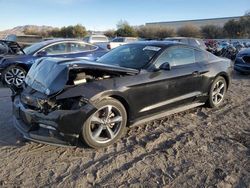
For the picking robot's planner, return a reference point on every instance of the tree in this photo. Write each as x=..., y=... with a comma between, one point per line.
x=212, y=32
x=188, y=31
x=77, y=31
x=125, y=30
x=110, y=33
x=245, y=25
x=155, y=32
x=233, y=29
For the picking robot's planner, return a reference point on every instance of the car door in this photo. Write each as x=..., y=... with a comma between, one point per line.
x=165, y=89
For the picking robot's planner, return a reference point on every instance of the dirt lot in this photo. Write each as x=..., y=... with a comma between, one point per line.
x=198, y=148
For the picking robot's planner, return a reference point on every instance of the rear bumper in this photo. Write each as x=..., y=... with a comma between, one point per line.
x=61, y=127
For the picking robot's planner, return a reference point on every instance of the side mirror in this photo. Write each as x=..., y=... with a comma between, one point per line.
x=42, y=54
x=165, y=66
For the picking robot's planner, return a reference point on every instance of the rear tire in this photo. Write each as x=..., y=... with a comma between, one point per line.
x=14, y=75
x=217, y=92
x=106, y=125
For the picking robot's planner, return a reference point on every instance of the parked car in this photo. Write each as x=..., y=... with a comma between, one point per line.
x=14, y=68
x=67, y=101
x=96, y=39
x=242, y=61
x=199, y=43
x=9, y=48
x=118, y=41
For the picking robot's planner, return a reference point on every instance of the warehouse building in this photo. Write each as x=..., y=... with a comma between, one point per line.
x=198, y=23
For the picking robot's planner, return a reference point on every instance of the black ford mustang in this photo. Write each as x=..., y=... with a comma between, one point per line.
x=64, y=101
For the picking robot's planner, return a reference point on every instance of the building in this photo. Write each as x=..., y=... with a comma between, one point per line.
x=198, y=23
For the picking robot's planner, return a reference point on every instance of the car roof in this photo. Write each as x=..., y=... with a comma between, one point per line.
x=51, y=41
x=158, y=43
x=182, y=38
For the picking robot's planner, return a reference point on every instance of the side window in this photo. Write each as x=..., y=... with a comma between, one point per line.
x=165, y=57
x=130, y=39
x=185, y=41
x=118, y=40
x=183, y=56
x=176, y=56
x=194, y=42
x=81, y=47
x=60, y=48
x=200, y=56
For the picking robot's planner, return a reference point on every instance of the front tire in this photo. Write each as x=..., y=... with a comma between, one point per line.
x=14, y=75
x=106, y=125
x=217, y=92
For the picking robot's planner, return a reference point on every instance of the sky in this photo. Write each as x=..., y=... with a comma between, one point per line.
x=105, y=14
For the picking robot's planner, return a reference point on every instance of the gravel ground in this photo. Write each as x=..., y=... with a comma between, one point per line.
x=201, y=147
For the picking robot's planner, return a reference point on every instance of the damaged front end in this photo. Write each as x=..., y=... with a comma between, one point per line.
x=48, y=109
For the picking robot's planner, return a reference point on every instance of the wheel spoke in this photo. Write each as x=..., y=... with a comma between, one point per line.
x=96, y=120
x=219, y=94
x=12, y=71
x=97, y=132
x=10, y=81
x=221, y=87
x=116, y=119
x=215, y=99
x=109, y=110
x=110, y=132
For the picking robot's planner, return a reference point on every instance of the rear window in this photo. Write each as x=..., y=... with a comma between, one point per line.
x=104, y=39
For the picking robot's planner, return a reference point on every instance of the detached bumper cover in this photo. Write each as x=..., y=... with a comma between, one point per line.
x=61, y=127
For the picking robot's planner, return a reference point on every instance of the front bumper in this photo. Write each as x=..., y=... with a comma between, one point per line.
x=242, y=68
x=60, y=127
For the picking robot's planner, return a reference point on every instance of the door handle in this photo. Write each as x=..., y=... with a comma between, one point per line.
x=196, y=73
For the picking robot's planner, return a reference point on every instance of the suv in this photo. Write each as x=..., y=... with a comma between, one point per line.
x=190, y=41
x=118, y=41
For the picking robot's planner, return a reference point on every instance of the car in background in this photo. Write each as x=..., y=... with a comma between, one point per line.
x=242, y=61
x=68, y=101
x=99, y=40
x=13, y=68
x=118, y=41
x=92, y=39
x=196, y=42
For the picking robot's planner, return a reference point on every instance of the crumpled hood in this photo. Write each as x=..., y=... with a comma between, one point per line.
x=50, y=75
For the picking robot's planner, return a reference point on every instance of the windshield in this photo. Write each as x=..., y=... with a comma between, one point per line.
x=33, y=48
x=134, y=56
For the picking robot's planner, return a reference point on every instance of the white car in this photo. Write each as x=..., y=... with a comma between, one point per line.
x=118, y=41
x=92, y=39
